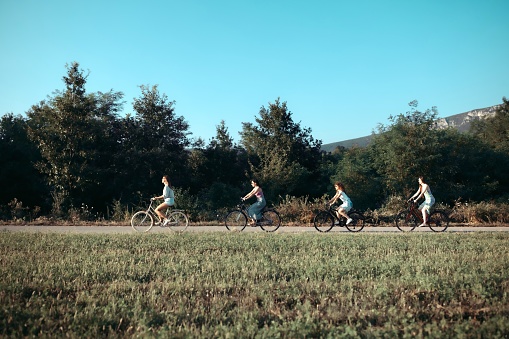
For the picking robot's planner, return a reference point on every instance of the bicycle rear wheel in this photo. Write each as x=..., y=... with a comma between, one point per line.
x=323, y=221
x=357, y=223
x=405, y=222
x=270, y=221
x=142, y=221
x=177, y=221
x=235, y=221
x=438, y=221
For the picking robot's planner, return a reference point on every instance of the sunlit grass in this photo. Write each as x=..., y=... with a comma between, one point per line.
x=254, y=284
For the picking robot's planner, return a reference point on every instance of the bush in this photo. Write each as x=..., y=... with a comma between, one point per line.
x=481, y=212
x=299, y=210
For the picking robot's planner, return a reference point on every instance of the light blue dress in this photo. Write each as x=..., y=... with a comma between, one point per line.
x=429, y=200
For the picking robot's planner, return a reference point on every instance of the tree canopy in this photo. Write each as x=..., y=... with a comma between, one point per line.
x=75, y=151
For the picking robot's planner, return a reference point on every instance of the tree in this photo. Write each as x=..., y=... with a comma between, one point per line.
x=472, y=171
x=407, y=149
x=356, y=172
x=18, y=177
x=282, y=155
x=154, y=143
x=70, y=131
x=495, y=131
x=218, y=171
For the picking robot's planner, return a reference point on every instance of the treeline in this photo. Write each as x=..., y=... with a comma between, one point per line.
x=74, y=154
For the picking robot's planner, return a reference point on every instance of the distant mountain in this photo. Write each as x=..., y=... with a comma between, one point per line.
x=461, y=122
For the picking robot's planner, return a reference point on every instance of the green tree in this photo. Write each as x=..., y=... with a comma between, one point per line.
x=472, y=171
x=19, y=179
x=356, y=172
x=217, y=171
x=70, y=132
x=495, y=131
x=155, y=143
x=406, y=149
x=282, y=155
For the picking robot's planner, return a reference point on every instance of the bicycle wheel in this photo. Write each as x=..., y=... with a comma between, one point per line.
x=177, y=221
x=235, y=221
x=405, y=222
x=142, y=221
x=357, y=223
x=438, y=221
x=270, y=221
x=323, y=221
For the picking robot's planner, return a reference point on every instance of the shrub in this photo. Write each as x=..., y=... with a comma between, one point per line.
x=481, y=212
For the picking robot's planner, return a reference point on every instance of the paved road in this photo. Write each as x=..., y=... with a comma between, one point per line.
x=283, y=229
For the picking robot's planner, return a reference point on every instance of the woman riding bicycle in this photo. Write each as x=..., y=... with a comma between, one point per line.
x=169, y=199
x=429, y=200
x=255, y=210
x=346, y=202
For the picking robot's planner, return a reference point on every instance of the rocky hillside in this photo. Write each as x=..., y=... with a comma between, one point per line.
x=461, y=121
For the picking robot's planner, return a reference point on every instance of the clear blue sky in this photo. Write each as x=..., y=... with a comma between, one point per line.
x=342, y=66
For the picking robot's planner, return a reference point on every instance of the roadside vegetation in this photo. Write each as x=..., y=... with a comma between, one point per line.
x=254, y=285
x=81, y=157
x=294, y=212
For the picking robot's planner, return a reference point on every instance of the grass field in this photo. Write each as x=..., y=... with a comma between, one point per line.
x=254, y=285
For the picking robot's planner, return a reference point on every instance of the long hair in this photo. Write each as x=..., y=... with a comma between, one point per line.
x=422, y=182
x=257, y=183
x=167, y=179
x=340, y=185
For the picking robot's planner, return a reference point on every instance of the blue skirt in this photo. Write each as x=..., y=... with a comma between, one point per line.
x=255, y=210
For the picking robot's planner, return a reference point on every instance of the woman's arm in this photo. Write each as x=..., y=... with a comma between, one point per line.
x=250, y=194
x=335, y=197
x=421, y=191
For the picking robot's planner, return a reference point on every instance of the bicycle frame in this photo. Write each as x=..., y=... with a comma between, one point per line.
x=144, y=220
x=413, y=210
x=326, y=219
x=236, y=219
x=151, y=210
x=406, y=221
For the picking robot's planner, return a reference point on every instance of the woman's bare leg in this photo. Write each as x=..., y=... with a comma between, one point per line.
x=159, y=211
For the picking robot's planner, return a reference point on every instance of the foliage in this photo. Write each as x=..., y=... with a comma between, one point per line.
x=18, y=177
x=218, y=171
x=481, y=212
x=153, y=144
x=362, y=184
x=254, y=285
x=406, y=149
x=68, y=130
x=495, y=131
x=74, y=150
x=470, y=170
x=282, y=155
x=456, y=165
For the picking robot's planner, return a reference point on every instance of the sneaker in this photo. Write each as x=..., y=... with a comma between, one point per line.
x=423, y=225
x=336, y=223
x=349, y=221
x=165, y=222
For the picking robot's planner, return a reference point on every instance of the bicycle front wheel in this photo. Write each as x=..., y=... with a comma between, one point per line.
x=142, y=221
x=178, y=221
x=235, y=221
x=357, y=223
x=270, y=221
x=406, y=222
x=438, y=221
x=323, y=221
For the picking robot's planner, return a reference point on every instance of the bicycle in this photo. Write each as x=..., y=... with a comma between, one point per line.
x=236, y=219
x=408, y=220
x=326, y=219
x=143, y=221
